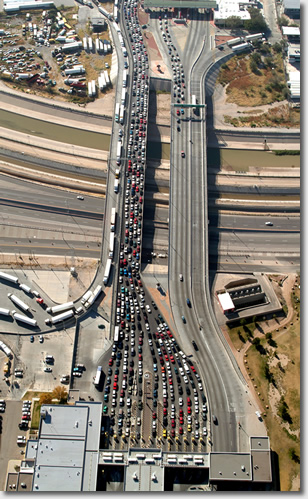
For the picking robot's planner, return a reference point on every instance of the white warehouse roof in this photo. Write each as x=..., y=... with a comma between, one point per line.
x=227, y=8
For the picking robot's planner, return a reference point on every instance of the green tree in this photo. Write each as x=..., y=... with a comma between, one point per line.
x=283, y=21
x=256, y=341
x=256, y=57
x=268, y=336
x=254, y=67
x=243, y=322
x=256, y=23
x=283, y=410
x=233, y=22
x=293, y=455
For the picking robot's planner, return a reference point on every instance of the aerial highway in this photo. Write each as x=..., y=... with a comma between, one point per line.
x=147, y=356
x=188, y=250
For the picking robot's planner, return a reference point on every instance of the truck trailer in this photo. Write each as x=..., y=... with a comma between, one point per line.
x=107, y=271
x=60, y=308
x=25, y=288
x=113, y=219
x=62, y=317
x=19, y=302
x=111, y=245
x=23, y=318
x=86, y=296
x=8, y=277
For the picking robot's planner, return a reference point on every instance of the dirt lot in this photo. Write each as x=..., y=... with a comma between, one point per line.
x=272, y=369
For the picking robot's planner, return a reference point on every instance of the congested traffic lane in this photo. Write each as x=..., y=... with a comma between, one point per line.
x=152, y=392
x=162, y=369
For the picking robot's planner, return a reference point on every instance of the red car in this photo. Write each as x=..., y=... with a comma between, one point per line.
x=122, y=324
x=40, y=301
x=172, y=359
x=188, y=410
x=115, y=386
x=154, y=415
x=193, y=369
x=183, y=154
x=178, y=112
x=165, y=411
x=181, y=413
x=122, y=393
x=172, y=433
x=188, y=402
x=140, y=199
x=181, y=430
x=181, y=420
x=173, y=423
x=110, y=362
x=170, y=381
x=140, y=341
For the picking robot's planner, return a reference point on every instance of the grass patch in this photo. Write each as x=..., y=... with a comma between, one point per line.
x=35, y=421
x=285, y=152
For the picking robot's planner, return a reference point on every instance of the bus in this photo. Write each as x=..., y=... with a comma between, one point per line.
x=194, y=102
x=116, y=334
x=117, y=112
x=97, y=378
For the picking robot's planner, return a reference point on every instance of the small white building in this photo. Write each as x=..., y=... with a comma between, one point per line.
x=225, y=302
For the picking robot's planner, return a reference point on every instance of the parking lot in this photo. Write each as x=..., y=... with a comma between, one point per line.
x=9, y=449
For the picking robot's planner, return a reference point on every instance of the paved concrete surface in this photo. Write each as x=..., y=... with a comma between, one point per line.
x=8, y=446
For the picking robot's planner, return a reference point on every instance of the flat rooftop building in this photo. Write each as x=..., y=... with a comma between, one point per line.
x=66, y=453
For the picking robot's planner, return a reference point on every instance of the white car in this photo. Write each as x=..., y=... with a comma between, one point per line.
x=204, y=431
x=47, y=370
x=148, y=308
x=269, y=223
x=180, y=402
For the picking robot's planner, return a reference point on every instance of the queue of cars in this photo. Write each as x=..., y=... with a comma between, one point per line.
x=173, y=389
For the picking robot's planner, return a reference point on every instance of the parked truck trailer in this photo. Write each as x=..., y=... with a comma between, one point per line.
x=19, y=302
x=23, y=318
x=60, y=308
